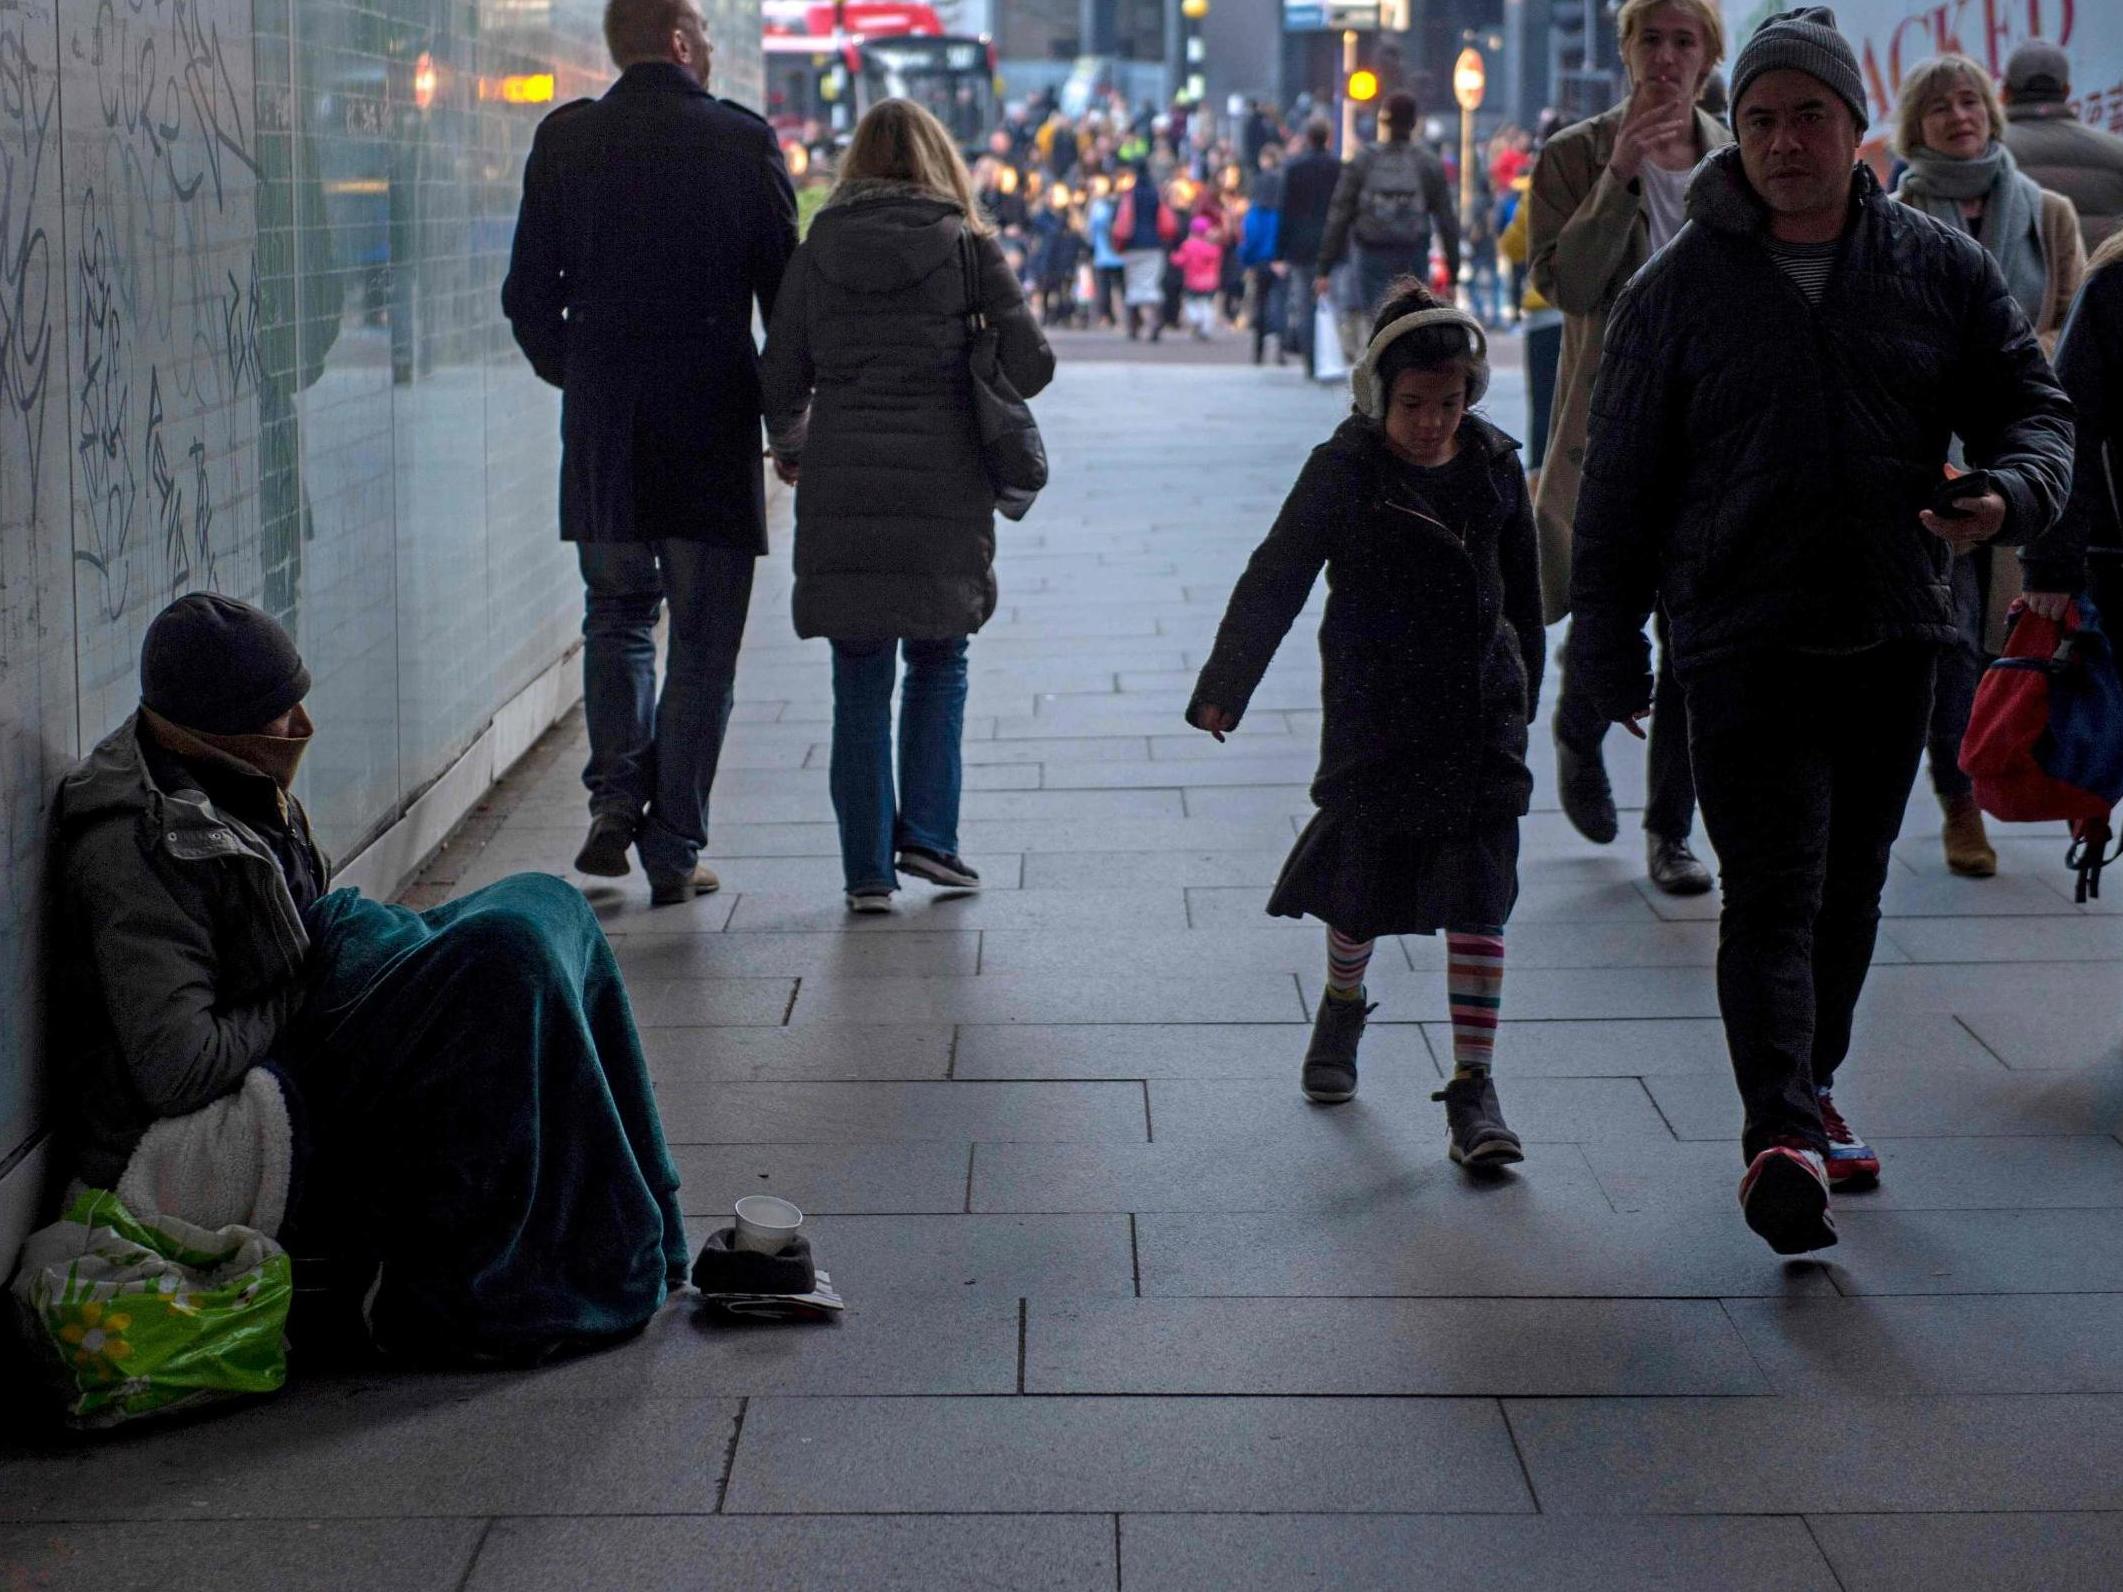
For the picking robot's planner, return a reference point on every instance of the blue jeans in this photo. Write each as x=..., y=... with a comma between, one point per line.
x=652, y=759
x=932, y=721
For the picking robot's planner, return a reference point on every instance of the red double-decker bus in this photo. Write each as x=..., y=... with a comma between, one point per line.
x=828, y=63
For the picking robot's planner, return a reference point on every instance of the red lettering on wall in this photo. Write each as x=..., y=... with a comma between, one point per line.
x=1997, y=34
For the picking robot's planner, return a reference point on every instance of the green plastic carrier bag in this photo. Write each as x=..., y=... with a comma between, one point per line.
x=125, y=1316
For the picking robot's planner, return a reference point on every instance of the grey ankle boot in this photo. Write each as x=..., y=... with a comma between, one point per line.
x=1330, y=1060
x=1474, y=1123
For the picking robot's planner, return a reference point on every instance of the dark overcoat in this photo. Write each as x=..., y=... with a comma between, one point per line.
x=652, y=220
x=1431, y=647
x=868, y=389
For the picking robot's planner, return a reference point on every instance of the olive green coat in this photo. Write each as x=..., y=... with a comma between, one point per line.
x=1590, y=234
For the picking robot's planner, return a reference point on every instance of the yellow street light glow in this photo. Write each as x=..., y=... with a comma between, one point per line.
x=528, y=88
x=1469, y=79
x=1194, y=10
x=1363, y=86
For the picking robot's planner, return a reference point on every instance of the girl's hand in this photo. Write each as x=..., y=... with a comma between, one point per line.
x=2049, y=604
x=1215, y=720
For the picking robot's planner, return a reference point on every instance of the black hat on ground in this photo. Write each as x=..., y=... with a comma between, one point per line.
x=219, y=666
x=1806, y=41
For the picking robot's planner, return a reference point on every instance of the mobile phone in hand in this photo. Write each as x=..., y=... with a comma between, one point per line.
x=1946, y=501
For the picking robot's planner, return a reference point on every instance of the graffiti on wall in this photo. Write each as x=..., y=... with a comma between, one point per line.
x=164, y=284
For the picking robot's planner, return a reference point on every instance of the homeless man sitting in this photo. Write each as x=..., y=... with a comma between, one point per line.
x=453, y=1104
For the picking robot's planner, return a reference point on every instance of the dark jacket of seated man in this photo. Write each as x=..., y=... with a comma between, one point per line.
x=184, y=870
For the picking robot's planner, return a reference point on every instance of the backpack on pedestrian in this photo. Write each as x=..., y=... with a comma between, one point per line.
x=2045, y=738
x=1393, y=206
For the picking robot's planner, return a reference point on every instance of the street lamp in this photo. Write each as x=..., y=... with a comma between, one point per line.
x=1468, y=81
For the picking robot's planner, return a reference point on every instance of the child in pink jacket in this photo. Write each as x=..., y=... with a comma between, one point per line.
x=1201, y=264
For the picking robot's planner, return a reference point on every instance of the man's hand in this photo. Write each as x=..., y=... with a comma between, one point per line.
x=785, y=471
x=1322, y=286
x=1983, y=519
x=1215, y=720
x=2049, y=604
x=1634, y=724
x=1658, y=115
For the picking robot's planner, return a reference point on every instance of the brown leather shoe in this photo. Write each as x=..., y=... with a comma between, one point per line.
x=676, y=893
x=1968, y=850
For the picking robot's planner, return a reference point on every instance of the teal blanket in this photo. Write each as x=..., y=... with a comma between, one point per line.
x=477, y=1117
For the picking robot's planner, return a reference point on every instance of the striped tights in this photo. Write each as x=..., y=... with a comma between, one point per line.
x=1474, y=984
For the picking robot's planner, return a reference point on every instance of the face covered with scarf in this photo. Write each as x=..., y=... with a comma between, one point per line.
x=222, y=680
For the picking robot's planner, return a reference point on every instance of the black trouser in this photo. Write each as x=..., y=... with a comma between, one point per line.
x=1669, y=802
x=1300, y=307
x=1804, y=763
x=1108, y=278
x=1960, y=671
x=1269, y=305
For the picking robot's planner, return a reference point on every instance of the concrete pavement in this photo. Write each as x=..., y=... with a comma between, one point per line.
x=1125, y=1310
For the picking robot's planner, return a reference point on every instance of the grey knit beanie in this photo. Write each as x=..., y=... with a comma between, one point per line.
x=1806, y=41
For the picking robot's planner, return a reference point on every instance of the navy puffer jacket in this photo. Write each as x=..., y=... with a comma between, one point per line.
x=865, y=385
x=1757, y=463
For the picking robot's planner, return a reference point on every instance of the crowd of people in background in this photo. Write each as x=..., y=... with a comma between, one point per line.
x=1153, y=221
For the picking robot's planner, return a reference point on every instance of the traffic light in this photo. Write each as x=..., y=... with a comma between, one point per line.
x=1363, y=86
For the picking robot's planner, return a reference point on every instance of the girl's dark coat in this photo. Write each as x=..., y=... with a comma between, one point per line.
x=1431, y=651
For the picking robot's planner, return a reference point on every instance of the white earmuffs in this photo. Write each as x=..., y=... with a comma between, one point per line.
x=1363, y=380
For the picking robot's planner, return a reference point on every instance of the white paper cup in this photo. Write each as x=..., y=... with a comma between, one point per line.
x=765, y=1224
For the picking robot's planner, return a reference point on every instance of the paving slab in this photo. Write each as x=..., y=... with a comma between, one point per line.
x=1166, y=1050
x=885, y=1052
x=1382, y=1553
x=1551, y=1245
x=2055, y=1039
x=1010, y=1256
x=934, y=1553
x=1378, y=1167
x=1962, y=1252
x=2069, y=1343
x=651, y=957
x=1971, y=1552
x=1540, y=1110
x=1036, y=1455
x=1052, y=998
x=703, y=1002
x=411, y=1448
x=1820, y=1455
x=1909, y=1102
x=716, y=1112
x=1063, y=870
x=917, y=909
x=1389, y=1347
x=1916, y=1174
x=208, y=1556
x=968, y=1342
x=898, y=1179
x=1270, y=944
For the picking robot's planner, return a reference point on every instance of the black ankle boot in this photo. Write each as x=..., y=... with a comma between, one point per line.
x=1330, y=1060
x=1474, y=1123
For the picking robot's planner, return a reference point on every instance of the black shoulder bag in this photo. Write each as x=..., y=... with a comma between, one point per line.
x=1010, y=443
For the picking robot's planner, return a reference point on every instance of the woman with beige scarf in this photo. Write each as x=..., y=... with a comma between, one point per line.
x=1949, y=126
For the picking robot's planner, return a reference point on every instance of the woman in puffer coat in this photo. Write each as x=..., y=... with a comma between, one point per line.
x=869, y=412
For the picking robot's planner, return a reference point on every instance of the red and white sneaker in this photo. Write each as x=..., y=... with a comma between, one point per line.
x=1851, y=1163
x=1784, y=1197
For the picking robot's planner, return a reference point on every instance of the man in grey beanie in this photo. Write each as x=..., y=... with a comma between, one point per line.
x=1766, y=459
x=2054, y=147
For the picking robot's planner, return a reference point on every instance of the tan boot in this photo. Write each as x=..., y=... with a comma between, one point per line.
x=1968, y=850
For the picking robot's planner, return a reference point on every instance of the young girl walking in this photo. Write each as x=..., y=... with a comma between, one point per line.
x=1431, y=653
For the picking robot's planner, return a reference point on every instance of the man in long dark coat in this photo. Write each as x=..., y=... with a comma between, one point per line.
x=652, y=220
